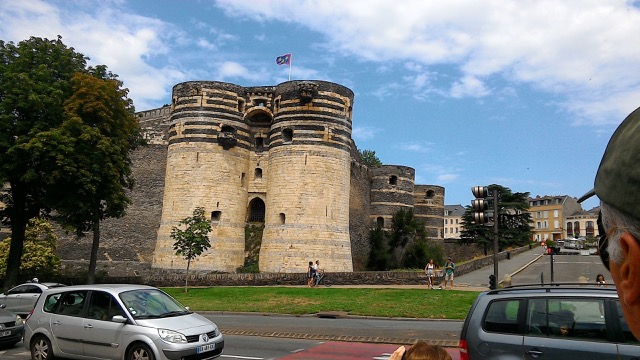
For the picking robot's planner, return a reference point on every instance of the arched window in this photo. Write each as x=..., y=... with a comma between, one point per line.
x=256, y=210
x=258, y=174
x=430, y=194
x=215, y=216
x=283, y=218
x=569, y=229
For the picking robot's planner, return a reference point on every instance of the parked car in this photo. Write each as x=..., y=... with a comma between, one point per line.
x=20, y=299
x=118, y=322
x=11, y=328
x=547, y=322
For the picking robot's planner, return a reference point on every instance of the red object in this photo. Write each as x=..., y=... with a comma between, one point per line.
x=464, y=354
x=549, y=250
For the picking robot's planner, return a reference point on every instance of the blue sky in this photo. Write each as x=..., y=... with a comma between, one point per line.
x=521, y=93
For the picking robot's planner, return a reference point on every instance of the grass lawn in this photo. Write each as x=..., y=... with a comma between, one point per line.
x=411, y=303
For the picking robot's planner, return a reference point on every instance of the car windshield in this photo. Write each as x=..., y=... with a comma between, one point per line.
x=151, y=304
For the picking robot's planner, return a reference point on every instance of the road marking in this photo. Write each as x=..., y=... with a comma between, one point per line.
x=297, y=351
x=242, y=357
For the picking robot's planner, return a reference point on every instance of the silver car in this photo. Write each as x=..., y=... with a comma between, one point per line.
x=118, y=322
x=552, y=322
x=21, y=299
x=11, y=328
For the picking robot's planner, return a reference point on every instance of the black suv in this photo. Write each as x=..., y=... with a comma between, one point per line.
x=558, y=321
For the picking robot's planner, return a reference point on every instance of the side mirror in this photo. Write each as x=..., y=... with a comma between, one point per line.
x=2, y=306
x=119, y=319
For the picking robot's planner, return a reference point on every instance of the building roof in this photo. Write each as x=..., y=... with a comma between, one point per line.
x=454, y=210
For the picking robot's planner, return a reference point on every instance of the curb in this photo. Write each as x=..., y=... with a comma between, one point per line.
x=344, y=338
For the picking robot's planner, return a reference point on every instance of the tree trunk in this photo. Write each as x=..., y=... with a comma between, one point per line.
x=93, y=259
x=186, y=279
x=18, y=217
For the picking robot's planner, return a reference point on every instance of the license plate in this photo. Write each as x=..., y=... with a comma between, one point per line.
x=5, y=333
x=205, y=348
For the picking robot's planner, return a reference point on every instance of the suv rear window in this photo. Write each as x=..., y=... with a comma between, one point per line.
x=502, y=316
x=567, y=318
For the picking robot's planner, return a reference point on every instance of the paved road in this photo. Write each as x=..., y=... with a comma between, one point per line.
x=511, y=267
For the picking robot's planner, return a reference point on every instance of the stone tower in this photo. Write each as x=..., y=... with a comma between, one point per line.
x=278, y=155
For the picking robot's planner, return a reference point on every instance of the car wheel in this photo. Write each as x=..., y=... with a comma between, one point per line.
x=140, y=351
x=41, y=348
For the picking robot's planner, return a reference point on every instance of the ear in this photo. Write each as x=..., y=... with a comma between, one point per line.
x=630, y=269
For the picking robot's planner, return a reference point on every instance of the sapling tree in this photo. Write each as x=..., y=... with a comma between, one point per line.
x=193, y=240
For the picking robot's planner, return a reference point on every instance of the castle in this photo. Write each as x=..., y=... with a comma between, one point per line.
x=278, y=155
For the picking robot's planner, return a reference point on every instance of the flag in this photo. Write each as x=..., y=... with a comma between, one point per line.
x=284, y=59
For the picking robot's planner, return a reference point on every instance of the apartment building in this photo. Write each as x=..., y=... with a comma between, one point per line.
x=583, y=223
x=549, y=215
x=453, y=221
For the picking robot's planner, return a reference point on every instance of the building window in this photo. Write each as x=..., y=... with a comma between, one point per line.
x=446, y=221
x=259, y=143
x=555, y=213
x=240, y=105
x=446, y=230
x=457, y=221
x=215, y=216
x=556, y=224
x=287, y=135
x=283, y=218
x=430, y=194
x=258, y=174
x=256, y=210
x=546, y=214
x=393, y=180
x=380, y=222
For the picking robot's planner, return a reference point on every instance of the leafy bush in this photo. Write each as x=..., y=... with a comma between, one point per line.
x=39, y=257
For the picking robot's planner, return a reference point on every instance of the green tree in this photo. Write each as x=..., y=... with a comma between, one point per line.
x=35, y=82
x=39, y=256
x=89, y=152
x=404, y=229
x=378, y=251
x=193, y=240
x=420, y=251
x=369, y=158
x=514, y=227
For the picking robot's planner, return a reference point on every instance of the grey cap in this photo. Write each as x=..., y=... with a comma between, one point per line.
x=618, y=178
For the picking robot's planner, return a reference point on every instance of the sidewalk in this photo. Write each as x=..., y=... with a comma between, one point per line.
x=480, y=278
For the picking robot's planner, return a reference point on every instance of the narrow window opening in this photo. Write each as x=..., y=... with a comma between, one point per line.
x=287, y=135
x=393, y=180
x=258, y=174
x=243, y=180
x=241, y=105
x=380, y=222
x=283, y=218
x=430, y=194
x=215, y=216
x=259, y=143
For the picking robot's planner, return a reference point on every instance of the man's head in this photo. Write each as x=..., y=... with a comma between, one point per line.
x=617, y=184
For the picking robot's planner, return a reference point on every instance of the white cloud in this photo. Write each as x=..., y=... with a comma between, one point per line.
x=581, y=50
x=421, y=148
x=361, y=133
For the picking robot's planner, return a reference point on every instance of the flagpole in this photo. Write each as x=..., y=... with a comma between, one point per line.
x=290, y=61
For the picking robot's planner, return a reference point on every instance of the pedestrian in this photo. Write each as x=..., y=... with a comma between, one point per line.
x=430, y=270
x=449, y=268
x=420, y=351
x=318, y=272
x=600, y=280
x=310, y=274
x=617, y=185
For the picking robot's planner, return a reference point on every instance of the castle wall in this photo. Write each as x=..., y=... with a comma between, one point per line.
x=132, y=237
x=308, y=179
x=429, y=208
x=392, y=189
x=207, y=165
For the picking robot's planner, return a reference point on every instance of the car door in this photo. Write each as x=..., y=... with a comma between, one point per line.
x=499, y=335
x=102, y=336
x=567, y=329
x=67, y=322
x=15, y=296
x=630, y=348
